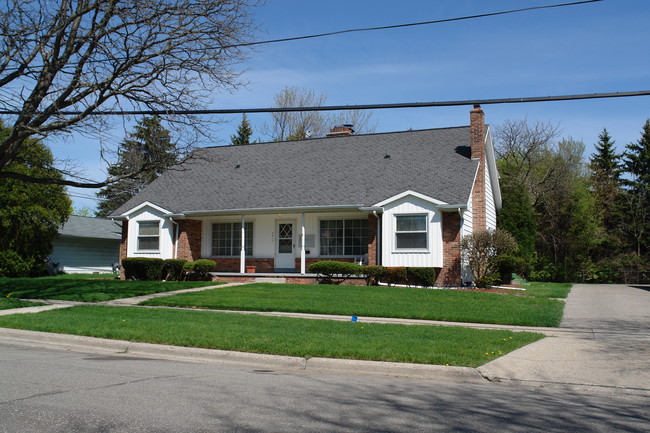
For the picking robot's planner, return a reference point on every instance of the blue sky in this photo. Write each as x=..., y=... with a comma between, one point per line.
x=599, y=47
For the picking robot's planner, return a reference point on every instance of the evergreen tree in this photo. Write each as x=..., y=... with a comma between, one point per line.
x=143, y=156
x=636, y=197
x=30, y=213
x=606, y=169
x=244, y=132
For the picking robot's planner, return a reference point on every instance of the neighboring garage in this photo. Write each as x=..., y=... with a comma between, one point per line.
x=87, y=245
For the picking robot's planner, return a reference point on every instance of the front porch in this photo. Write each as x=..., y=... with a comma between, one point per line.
x=278, y=277
x=277, y=244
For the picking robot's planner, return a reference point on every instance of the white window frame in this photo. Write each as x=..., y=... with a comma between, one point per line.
x=236, y=231
x=425, y=232
x=157, y=236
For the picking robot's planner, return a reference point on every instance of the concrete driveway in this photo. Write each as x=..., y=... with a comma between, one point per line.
x=606, y=344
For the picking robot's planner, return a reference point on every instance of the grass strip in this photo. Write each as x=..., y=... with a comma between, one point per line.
x=400, y=302
x=546, y=290
x=279, y=335
x=88, y=290
x=8, y=303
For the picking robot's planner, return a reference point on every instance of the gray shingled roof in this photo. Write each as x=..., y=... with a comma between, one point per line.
x=349, y=170
x=93, y=228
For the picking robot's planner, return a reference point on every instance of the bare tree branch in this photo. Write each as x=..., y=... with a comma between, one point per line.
x=83, y=55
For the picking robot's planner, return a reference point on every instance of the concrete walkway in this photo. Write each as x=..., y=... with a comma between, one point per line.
x=608, y=348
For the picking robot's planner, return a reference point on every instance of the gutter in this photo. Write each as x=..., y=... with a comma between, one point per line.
x=351, y=207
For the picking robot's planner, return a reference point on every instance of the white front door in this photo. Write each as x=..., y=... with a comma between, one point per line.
x=284, y=246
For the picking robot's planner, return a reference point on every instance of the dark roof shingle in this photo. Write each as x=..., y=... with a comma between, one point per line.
x=349, y=170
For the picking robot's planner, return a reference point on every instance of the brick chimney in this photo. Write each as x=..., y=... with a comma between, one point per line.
x=341, y=130
x=477, y=140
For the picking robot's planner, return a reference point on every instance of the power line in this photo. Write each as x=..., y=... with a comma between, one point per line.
x=493, y=101
x=421, y=23
x=368, y=29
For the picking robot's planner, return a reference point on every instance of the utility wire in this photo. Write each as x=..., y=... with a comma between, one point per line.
x=422, y=23
x=358, y=106
x=368, y=29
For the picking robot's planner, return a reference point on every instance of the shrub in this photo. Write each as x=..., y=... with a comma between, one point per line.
x=13, y=265
x=333, y=272
x=480, y=250
x=373, y=274
x=506, y=264
x=173, y=269
x=488, y=280
x=396, y=275
x=199, y=269
x=423, y=277
x=143, y=268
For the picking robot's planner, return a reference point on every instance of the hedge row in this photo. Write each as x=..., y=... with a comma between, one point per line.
x=149, y=269
x=333, y=272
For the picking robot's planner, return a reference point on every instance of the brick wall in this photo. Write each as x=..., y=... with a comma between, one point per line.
x=450, y=274
x=372, y=240
x=477, y=139
x=189, y=240
x=123, y=245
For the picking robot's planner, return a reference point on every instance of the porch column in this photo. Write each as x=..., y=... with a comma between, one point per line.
x=302, y=244
x=242, y=254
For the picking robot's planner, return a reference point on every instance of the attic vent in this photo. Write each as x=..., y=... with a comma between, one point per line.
x=342, y=130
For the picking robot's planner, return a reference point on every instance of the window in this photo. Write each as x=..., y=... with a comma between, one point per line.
x=148, y=235
x=411, y=232
x=226, y=239
x=343, y=237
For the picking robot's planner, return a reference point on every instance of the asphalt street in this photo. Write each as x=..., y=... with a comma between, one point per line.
x=50, y=390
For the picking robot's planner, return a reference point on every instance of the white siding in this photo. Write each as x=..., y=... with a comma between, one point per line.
x=166, y=250
x=466, y=227
x=432, y=257
x=85, y=256
x=490, y=210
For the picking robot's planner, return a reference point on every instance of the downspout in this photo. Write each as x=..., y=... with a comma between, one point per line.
x=378, y=252
x=175, y=236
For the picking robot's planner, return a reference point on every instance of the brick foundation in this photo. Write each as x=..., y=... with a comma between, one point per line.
x=232, y=264
x=450, y=274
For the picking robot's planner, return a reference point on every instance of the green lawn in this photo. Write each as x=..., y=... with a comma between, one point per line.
x=8, y=303
x=278, y=335
x=447, y=305
x=546, y=290
x=75, y=288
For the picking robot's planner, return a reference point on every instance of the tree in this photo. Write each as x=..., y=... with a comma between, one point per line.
x=518, y=218
x=64, y=62
x=606, y=169
x=141, y=158
x=298, y=125
x=637, y=190
x=481, y=249
x=244, y=132
x=556, y=180
x=30, y=214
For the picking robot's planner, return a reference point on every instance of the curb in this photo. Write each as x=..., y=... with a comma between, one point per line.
x=255, y=360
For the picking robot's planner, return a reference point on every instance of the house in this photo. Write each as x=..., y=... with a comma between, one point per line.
x=87, y=245
x=395, y=199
